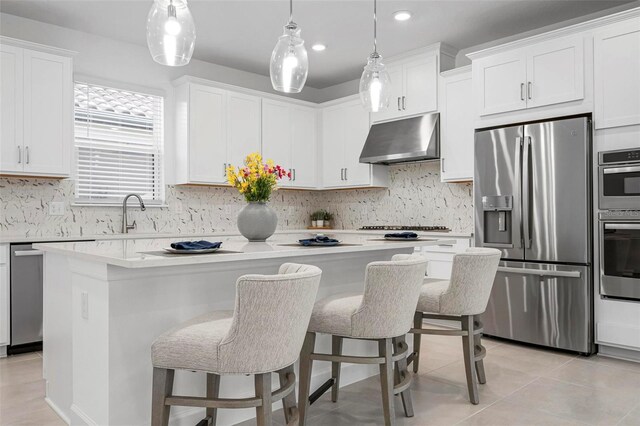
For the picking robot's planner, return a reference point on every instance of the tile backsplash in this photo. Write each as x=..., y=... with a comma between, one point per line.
x=415, y=196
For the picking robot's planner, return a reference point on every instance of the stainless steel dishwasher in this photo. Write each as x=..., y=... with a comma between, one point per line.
x=26, y=298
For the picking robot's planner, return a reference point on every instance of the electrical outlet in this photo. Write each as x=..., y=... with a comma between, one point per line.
x=84, y=302
x=56, y=208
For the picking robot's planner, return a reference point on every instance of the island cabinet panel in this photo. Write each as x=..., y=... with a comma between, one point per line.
x=531, y=76
x=289, y=139
x=215, y=128
x=37, y=111
x=456, y=126
x=4, y=295
x=617, y=74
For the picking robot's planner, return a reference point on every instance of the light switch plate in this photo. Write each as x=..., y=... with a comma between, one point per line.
x=56, y=208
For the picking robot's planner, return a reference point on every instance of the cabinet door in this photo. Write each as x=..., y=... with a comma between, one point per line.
x=457, y=141
x=48, y=104
x=11, y=108
x=276, y=134
x=207, y=135
x=500, y=83
x=356, y=128
x=243, y=126
x=303, y=147
x=395, y=98
x=616, y=74
x=333, y=138
x=4, y=303
x=420, y=86
x=555, y=71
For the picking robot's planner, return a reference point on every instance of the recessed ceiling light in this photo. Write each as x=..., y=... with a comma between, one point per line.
x=402, y=15
x=318, y=47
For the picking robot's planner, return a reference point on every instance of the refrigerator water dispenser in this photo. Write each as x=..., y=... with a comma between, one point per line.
x=497, y=211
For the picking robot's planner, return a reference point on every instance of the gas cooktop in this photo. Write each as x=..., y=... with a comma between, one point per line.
x=405, y=228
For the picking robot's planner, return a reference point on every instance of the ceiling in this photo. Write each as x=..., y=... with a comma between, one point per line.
x=241, y=33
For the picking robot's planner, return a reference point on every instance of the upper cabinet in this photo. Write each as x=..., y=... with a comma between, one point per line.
x=37, y=110
x=414, y=83
x=617, y=74
x=289, y=139
x=214, y=129
x=545, y=73
x=345, y=126
x=456, y=126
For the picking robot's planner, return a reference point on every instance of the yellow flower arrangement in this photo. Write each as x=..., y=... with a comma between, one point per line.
x=256, y=179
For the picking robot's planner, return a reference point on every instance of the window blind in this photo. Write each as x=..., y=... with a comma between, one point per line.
x=118, y=144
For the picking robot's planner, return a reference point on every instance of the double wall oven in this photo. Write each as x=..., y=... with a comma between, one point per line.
x=619, y=217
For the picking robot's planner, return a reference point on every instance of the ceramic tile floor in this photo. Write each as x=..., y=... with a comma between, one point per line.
x=526, y=386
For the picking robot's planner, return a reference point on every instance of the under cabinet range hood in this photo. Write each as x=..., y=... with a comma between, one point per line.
x=402, y=141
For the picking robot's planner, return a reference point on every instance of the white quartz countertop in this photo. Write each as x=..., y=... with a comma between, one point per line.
x=5, y=239
x=149, y=252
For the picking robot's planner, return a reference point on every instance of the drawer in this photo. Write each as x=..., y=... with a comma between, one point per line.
x=4, y=253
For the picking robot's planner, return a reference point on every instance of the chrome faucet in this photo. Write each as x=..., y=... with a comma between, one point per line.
x=126, y=227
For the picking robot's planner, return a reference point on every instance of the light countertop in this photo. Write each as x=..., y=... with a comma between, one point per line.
x=148, y=252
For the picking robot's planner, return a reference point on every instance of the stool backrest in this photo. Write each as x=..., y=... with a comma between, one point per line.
x=391, y=294
x=270, y=319
x=472, y=278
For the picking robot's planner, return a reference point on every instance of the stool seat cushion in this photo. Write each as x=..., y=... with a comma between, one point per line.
x=193, y=345
x=333, y=315
x=431, y=294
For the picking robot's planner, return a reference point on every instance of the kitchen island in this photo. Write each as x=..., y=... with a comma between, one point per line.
x=105, y=302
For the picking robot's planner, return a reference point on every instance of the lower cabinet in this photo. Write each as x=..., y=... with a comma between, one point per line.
x=345, y=126
x=441, y=256
x=4, y=295
x=456, y=126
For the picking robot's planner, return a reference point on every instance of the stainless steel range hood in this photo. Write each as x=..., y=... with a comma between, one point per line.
x=402, y=141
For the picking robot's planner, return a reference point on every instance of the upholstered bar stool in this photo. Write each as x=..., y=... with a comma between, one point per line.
x=263, y=334
x=383, y=314
x=461, y=299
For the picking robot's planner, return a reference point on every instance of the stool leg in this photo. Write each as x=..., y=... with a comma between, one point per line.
x=401, y=372
x=162, y=388
x=482, y=378
x=469, y=355
x=306, y=364
x=417, y=323
x=263, y=391
x=336, y=349
x=213, y=391
x=385, y=349
x=289, y=401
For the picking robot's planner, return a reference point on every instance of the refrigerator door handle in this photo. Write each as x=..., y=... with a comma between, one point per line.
x=517, y=227
x=540, y=272
x=526, y=193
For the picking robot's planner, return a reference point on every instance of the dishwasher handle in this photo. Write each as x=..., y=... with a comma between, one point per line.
x=21, y=253
x=540, y=272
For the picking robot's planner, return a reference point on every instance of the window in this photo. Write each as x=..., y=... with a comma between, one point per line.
x=118, y=145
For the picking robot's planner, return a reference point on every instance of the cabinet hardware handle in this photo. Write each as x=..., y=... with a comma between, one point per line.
x=522, y=91
x=341, y=174
x=529, y=89
x=294, y=174
x=19, y=155
x=345, y=174
x=26, y=154
x=399, y=103
x=442, y=164
x=224, y=169
x=403, y=102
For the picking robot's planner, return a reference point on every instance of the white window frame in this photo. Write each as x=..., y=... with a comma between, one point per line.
x=158, y=174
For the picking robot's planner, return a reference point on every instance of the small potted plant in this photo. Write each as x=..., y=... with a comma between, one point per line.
x=328, y=217
x=320, y=218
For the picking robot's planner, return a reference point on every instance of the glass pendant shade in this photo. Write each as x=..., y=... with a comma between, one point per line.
x=375, y=84
x=289, y=61
x=171, y=33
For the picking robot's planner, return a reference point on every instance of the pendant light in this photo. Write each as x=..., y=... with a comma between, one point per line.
x=171, y=33
x=375, y=84
x=289, y=62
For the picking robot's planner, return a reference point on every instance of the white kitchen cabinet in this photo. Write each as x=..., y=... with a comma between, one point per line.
x=345, y=126
x=456, y=126
x=617, y=74
x=37, y=111
x=289, y=139
x=541, y=74
x=4, y=295
x=214, y=128
x=414, y=88
x=440, y=257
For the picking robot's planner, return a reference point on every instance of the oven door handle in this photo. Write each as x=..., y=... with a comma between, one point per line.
x=622, y=226
x=615, y=170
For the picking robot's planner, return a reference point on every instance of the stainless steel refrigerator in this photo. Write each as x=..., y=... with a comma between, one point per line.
x=532, y=200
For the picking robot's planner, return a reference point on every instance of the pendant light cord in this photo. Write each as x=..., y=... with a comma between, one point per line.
x=290, y=10
x=375, y=27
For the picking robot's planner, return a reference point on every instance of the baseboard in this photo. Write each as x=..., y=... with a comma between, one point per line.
x=3, y=351
x=619, y=353
x=82, y=416
x=57, y=410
